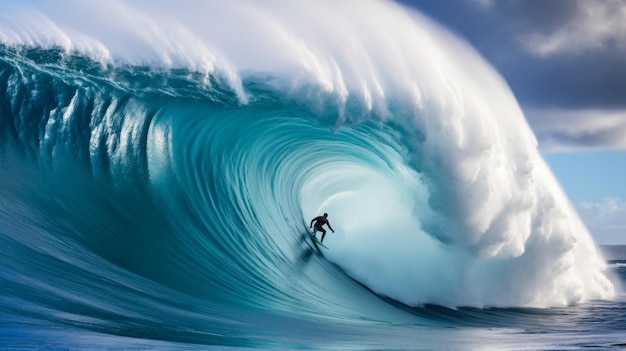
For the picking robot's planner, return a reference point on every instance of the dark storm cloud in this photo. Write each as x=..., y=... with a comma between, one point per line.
x=557, y=55
x=543, y=16
x=587, y=81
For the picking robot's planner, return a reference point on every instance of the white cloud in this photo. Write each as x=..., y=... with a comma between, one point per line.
x=571, y=130
x=599, y=24
x=606, y=220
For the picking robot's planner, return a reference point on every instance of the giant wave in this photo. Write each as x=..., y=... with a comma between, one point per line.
x=165, y=165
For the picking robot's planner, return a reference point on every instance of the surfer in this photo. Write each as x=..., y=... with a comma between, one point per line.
x=319, y=222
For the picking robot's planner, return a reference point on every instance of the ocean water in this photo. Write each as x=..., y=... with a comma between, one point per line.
x=160, y=163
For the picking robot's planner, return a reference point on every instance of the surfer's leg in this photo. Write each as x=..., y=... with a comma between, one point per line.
x=323, y=234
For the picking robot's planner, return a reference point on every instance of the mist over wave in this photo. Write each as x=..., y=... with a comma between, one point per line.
x=176, y=154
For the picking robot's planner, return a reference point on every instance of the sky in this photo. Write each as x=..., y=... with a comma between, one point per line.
x=565, y=61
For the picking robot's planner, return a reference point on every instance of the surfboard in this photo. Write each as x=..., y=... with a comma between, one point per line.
x=317, y=242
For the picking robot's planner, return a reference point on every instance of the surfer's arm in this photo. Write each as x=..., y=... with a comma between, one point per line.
x=311, y=225
x=331, y=228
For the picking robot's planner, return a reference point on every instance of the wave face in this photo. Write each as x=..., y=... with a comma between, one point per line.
x=160, y=170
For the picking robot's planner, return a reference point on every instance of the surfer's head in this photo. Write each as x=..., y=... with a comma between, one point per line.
x=325, y=215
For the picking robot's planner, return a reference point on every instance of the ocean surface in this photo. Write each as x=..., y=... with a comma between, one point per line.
x=160, y=163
